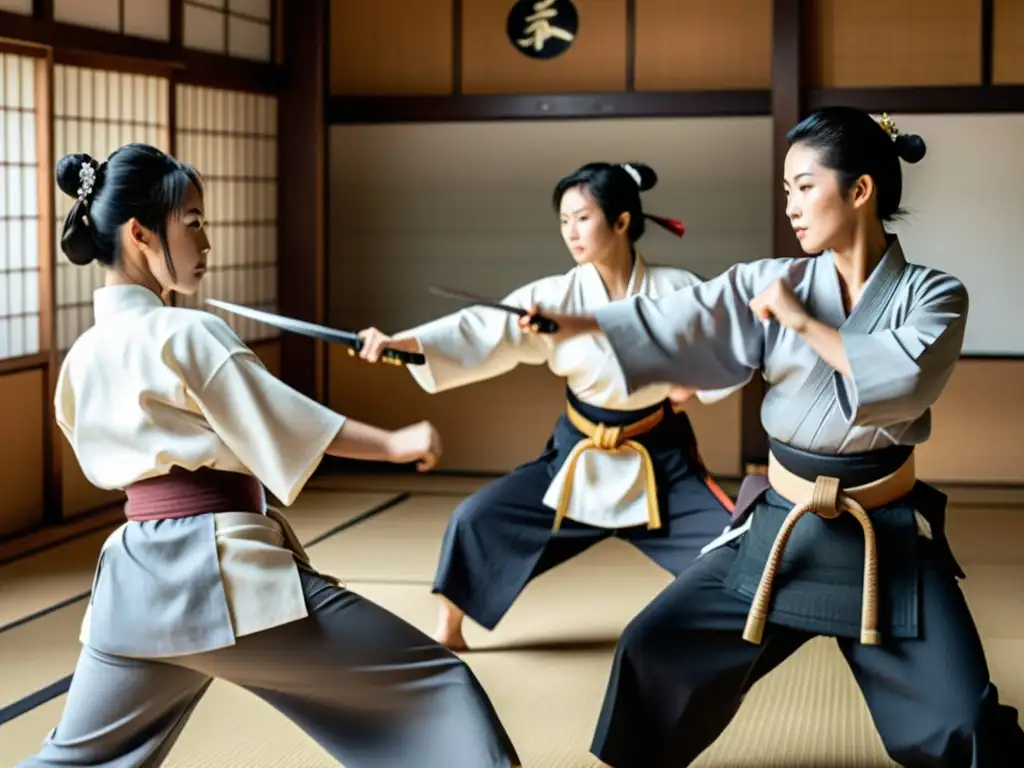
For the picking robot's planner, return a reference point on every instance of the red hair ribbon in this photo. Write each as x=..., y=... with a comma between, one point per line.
x=674, y=226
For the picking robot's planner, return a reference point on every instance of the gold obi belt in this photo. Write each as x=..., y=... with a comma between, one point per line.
x=619, y=439
x=824, y=497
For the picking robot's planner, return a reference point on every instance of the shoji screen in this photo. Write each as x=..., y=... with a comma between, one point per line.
x=19, y=209
x=139, y=18
x=239, y=28
x=97, y=111
x=231, y=139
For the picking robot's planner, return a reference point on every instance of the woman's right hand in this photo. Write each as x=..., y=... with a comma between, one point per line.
x=375, y=342
x=420, y=443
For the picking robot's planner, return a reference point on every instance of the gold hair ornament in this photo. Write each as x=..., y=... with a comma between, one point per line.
x=889, y=126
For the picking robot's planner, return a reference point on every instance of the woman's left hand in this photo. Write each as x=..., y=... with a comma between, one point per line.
x=779, y=301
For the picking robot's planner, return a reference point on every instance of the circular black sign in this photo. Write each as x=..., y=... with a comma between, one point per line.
x=542, y=29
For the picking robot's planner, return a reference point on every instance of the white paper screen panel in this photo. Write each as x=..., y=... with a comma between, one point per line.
x=231, y=139
x=233, y=27
x=138, y=18
x=23, y=7
x=964, y=217
x=148, y=18
x=19, y=208
x=97, y=111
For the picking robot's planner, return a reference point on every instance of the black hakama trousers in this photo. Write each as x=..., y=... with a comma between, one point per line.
x=682, y=667
x=500, y=538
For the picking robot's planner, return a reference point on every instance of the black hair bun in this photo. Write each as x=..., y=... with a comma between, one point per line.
x=910, y=147
x=69, y=172
x=648, y=178
x=76, y=237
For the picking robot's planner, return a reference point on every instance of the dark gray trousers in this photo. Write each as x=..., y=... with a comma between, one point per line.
x=500, y=539
x=372, y=690
x=682, y=668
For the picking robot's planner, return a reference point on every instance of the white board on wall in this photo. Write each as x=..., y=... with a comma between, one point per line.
x=469, y=204
x=966, y=217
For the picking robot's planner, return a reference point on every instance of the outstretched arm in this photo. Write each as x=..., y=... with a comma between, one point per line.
x=701, y=337
x=364, y=442
x=471, y=345
x=276, y=432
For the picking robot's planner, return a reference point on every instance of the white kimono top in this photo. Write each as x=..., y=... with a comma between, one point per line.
x=149, y=387
x=479, y=343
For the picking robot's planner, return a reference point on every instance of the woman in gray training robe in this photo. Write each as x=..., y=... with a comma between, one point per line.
x=856, y=344
x=205, y=581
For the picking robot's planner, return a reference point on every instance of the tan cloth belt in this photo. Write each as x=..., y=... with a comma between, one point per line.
x=824, y=498
x=619, y=439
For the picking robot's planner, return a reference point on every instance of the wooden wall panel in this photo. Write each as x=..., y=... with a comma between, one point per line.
x=690, y=45
x=894, y=42
x=391, y=47
x=1008, y=42
x=21, y=450
x=595, y=62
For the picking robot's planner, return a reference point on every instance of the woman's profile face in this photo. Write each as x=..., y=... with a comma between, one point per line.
x=145, y=257
x=189, y=244
x=816, y=207
x=584, y=229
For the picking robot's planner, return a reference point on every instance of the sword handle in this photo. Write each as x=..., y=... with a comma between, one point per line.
x=544, y=324
x=393, y=356
x=397, y=357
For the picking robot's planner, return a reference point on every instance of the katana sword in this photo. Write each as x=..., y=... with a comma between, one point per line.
x=330, y=335
x=540, y=323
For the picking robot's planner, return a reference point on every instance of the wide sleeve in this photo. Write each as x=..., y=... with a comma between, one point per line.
x=478, y=343
x=279, y=434
x=897, y=374
x=704, y=336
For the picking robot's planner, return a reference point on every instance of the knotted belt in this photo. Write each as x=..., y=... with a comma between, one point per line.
x=612, y=440
x=825, y=498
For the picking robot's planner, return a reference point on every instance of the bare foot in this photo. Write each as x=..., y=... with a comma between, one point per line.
x=449, y=627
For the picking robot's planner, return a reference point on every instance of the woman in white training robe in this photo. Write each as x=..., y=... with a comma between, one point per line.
x=205, y=580
x=856, y=344
x=614, y=466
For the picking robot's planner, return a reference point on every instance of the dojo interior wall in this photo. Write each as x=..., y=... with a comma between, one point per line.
x=467, y=203
x=470, y=205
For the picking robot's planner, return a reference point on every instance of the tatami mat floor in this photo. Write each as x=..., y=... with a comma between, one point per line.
x=545, y=666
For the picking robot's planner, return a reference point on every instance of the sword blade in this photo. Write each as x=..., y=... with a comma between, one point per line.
x=472, y=298
x=540, y=323
x=331, y=335
x=322, y=332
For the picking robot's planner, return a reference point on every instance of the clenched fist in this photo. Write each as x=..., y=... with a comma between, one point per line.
x=779, y=301
x=420, y=443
